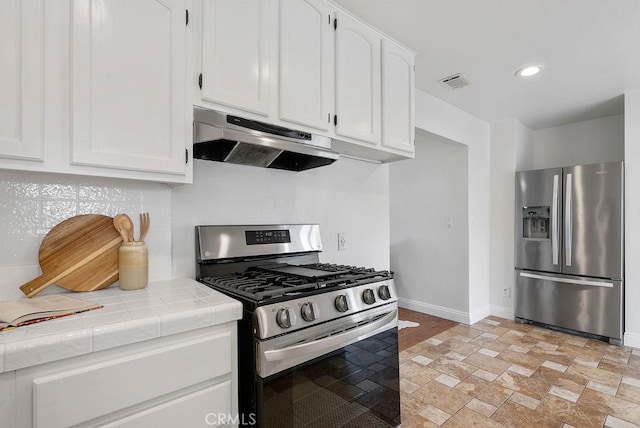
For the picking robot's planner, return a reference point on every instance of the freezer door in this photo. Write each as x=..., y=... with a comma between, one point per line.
x=538, y=218
x=576, y=303
x=593, y=225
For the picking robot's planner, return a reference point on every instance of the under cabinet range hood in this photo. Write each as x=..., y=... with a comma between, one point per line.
x=222, y=137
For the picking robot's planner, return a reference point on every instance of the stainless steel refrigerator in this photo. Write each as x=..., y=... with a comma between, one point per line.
x=569, y=248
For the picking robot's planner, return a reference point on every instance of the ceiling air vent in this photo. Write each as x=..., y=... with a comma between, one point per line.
x=455, y=81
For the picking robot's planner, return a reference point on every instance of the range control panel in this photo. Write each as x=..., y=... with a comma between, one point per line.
x=256, y=237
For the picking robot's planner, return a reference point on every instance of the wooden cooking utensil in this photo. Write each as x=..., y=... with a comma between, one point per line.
x=127, y=224
x=118, y=223
x=145, y=222
x=79, y=254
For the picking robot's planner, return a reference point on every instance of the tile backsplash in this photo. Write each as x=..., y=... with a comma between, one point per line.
x=32, y=203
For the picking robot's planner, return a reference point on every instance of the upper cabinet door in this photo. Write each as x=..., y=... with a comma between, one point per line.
x=21, y=76
x=128, y=84
x=235, y=53
x=398, y=112
x=306, y=62
x=357, y=80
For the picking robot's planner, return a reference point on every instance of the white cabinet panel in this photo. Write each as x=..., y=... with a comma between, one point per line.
x=186, y=411
x=128, y=84
x=236, y=53
x=398, y=91
x=8, y=405
x=102, y=388
x=21, y=79
x=306, y=62
x=357, y=80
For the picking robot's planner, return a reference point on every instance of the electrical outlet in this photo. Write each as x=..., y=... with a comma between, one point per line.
x=342, y=241
x=506, y=292
x=448, y=221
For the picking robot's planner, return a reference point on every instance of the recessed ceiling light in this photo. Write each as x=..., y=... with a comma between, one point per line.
x=529, y=71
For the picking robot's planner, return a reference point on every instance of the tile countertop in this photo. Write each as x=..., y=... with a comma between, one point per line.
x=161, y=309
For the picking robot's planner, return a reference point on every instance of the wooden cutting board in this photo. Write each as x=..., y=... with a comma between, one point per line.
x=79, y=254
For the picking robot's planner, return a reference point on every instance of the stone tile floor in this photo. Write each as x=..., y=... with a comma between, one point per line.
x=498, y=373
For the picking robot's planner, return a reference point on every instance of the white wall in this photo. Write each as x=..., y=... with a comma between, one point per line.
x=430, y=260
x=437, y=117
x=632, y=227
x=591, y=141
x=524, y=147
x=510, y=141
x=32, y=203
x=348, y=196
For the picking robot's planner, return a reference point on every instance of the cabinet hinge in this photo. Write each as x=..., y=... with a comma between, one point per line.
x=186, y=156
x=335, y=23
x=200, y=80
x=335, y=120
x=329, y=117
x=329, y=19
x=187, y=16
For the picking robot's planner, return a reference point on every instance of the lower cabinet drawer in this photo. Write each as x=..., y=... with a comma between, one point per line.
x=79, y=395
x=208, y=407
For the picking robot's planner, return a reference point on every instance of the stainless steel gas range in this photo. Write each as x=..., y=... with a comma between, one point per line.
x=318, y=343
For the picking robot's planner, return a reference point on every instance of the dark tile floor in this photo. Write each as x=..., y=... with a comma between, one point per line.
x=498, y=373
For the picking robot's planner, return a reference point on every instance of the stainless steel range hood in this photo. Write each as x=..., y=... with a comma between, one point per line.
x=225, y=138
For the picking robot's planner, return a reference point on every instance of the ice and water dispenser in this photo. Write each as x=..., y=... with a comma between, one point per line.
x=536, y=222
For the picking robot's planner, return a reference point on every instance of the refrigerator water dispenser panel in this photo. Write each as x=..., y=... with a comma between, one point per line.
x=536, y=222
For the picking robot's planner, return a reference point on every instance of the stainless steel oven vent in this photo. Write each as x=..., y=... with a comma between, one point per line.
x=226, y=138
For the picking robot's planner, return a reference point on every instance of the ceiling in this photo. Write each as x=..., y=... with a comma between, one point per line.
x=590, y=50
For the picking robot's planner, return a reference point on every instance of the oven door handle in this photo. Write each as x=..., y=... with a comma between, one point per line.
x=341, y=339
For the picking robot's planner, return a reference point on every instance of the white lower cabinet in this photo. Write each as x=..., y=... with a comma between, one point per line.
x=186, y=380
x=185, y=411
x=8, y=402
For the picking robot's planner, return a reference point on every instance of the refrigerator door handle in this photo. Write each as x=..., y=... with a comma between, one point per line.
x=568, y=235
x=567, y=280
x=555, y=228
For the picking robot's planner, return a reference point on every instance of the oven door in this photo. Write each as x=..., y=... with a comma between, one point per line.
x=345, y=374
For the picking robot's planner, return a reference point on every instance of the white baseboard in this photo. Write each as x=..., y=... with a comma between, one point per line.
x=436, y=311
x=461, y=316
x=632, y=340
x=502, y=312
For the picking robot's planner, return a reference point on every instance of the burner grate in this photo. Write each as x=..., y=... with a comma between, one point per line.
x=259, y=284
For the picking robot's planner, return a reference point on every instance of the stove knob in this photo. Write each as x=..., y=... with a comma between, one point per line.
x=342, y=304
x=383, y=292
x=309, y=311
x=368, y=296
x=285, y=318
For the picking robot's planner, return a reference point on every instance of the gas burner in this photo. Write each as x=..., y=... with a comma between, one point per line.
x=263, y=282
x=334, y=267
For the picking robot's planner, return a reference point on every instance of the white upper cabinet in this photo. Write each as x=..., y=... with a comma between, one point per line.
x=306, y=63
x=398, y=97
x=357, y=80
x=21, y=79
x=236, y=53
x=128, y=84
